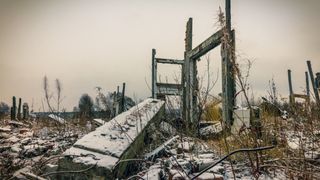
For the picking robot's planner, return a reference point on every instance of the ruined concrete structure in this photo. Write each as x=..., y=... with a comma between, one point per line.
x=106, y=150
x=190, y=90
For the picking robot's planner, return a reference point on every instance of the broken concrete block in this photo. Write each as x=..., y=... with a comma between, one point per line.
x=118, y=139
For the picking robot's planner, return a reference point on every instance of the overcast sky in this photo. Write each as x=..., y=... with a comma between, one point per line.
x=106, y=42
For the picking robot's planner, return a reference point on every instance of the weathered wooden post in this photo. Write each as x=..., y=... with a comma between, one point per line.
x=290, y=87
x=188, y=74
x=316, y=93
x=318, y=81
x=307, y=85
x=115, y=104
x=25, y=110
x=123, y=103
x=19, y=110
x=154, y=74
x=228, y=77
x=13, y=108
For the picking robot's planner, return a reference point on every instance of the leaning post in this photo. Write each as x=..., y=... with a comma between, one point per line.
x=316, y=93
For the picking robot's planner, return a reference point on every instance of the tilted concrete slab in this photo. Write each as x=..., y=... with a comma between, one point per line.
x=120, y=138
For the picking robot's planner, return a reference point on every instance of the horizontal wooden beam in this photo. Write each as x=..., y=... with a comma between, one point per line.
x=169, y=85
x=207, y=45
x=168, y=89
x=302, y=96
x=169, y=61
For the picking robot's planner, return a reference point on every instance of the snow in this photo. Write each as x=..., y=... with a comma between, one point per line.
x=212, y=129
x=57, y=118
x=153, y=172
x=110, y=140
x=160, y=148
x=5, y=129
x=91, y=158
x=99, y=121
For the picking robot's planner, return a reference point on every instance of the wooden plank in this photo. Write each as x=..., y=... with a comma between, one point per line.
x=169, y=61
x=169, y=85
x=207, y=45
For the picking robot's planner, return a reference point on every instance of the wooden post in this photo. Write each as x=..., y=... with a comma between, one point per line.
x=123, y=102
x=25, y=110
x=228, y=76
x=228, y=15
x=187, y=73
x=307, y=84
x=154, y=74
x=19, y=110
x=318, y=81
x=316, y=93
x=13, y=108
x=290, y=87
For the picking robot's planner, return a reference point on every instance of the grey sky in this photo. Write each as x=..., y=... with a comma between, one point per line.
x=104, y=43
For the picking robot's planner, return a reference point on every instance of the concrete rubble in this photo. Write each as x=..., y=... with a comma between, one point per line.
x=28, y=147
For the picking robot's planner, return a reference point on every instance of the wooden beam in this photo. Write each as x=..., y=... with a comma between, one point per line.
x=168, y=89
x=169, y=85
x=207, y=45
x=169, y=61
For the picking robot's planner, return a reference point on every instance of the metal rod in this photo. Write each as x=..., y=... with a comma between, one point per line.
x=233, y=152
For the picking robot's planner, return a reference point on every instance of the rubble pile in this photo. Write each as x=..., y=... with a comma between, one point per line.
x=182, y=157
x=30, y=147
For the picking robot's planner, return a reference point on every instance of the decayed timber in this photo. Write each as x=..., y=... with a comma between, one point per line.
x=207, y=45
x=169, y=61
x=315, y=91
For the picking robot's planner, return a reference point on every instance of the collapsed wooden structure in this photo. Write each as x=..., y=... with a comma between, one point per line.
x=188, y=89
x=315, y=82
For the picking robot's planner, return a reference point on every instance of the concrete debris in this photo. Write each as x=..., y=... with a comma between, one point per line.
x=56, y=118
x=123, y=137
x=26, y=146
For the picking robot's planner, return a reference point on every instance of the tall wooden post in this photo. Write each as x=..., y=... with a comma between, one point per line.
x=290, y=87
x=188, y=76
x=19, y=110
x=317, y=81
x=316, y=93
x=228, y=76
x=123, y=102
x=154, y=74
x=13, y=108
x=307, y=85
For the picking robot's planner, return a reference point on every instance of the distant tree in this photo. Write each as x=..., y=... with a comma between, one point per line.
x=4, y=109
x=47, y=94
x=86, y=106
